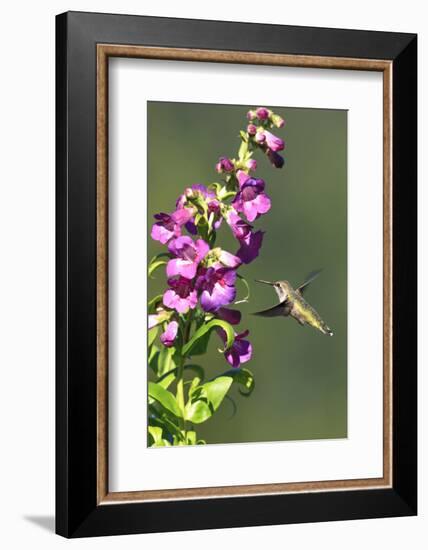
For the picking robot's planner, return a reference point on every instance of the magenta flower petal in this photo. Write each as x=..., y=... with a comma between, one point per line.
x=165, y=228
x=251, y=164
x=239, y=227
x=153, y=320
x=273, y=142
x=275, y=158
x=252, y=129
x=224, y=165
x=242, y=177
x=169, y=335
x=250, y=247
x=182, y=216
x=229, y=260
x=232, y=316
x=241, y=350
x=185, y=268
x=250, y=210
x=262, y=113
x=181, y=296
x=217, y=284
x=262, y=203
x=251, y=199
x=188, y=256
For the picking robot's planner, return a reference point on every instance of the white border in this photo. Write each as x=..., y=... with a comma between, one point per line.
x=133, y=467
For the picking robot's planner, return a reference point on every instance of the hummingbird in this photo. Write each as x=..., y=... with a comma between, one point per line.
x=291, y=302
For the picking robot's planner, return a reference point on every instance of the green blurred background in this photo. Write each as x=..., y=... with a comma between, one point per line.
x=301, y=374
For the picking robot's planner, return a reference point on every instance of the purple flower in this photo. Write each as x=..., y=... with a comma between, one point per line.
x=224, y=165
x=239, y=227
x=188, y=256
x=232, y=316
x=262, y=113
x=217, y=284
x=180, y=296
x=251, y=164
x=250, y=246
x=273, y=142
x=275, y=158
x=169, y=225
x=169, y=335
x=251, y=199
x=241, y=350
x=251, y=115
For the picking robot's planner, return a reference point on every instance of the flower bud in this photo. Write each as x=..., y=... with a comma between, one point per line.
x=252, y=129
x=275, y=158
x=277, y=121
x=251, y=164
x=262, y=113
x=224, y=165
x=251, y=115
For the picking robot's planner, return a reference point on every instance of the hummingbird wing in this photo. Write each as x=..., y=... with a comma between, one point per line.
x=312, y=275
x=281, y=309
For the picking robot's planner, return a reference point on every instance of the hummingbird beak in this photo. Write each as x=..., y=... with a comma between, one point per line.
x=265, y=282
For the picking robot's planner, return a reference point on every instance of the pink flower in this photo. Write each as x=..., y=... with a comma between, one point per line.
x=188, y=256
x=241, y=350
x=181, y=295
x=169, y=335
x=168, y=226
x=251, y=199
x=273, y=142
x=250, y=246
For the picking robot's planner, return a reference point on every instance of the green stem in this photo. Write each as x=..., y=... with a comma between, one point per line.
x=180, y=373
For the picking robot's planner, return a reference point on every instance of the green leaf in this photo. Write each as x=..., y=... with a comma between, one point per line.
x=191, y=437
x=206, y=399
x=152, y=335
x=197, y=345
x=243, y=377
x=157, y=261
x=165, y=398
x=154, y=358
x=167, y=360
x=198, y=411
x=151, y=306
x=167, y=379
x=217, y=389
x=163, y=419
x=156, y=433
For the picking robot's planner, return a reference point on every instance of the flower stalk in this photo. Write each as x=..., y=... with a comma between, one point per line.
x=201, y=278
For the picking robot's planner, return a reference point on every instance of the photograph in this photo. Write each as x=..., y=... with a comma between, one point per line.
x=247, y=273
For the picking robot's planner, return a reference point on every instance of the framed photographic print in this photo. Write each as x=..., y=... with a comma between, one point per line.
x=236, y=274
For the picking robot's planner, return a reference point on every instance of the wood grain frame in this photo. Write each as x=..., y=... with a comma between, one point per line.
x=84, y=43
x=104, y=52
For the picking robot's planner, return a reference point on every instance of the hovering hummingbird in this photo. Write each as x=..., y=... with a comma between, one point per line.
x=291, y=302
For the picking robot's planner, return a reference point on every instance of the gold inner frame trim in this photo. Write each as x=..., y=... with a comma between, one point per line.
x=104, y=51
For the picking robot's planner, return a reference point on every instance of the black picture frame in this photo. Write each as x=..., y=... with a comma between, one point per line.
x=78, y=513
